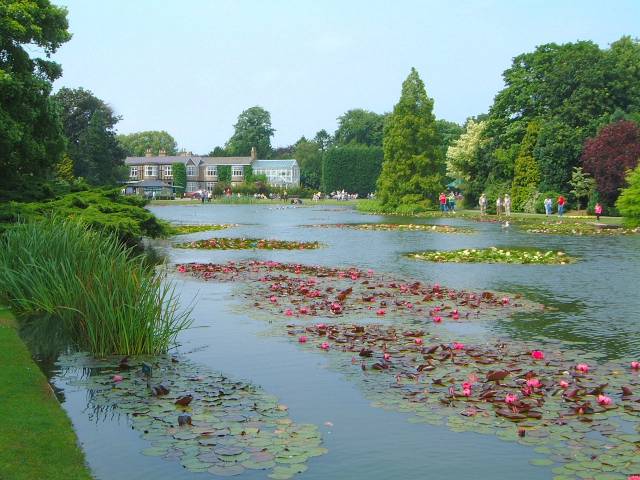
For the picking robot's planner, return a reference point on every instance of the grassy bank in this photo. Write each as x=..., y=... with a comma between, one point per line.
x=37, y=439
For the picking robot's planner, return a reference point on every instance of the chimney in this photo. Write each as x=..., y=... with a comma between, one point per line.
x=148, y=153
x=183, y=153
x=254, y=153
x=162, y=153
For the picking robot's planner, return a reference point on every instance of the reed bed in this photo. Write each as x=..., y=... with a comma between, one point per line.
x=111, y=300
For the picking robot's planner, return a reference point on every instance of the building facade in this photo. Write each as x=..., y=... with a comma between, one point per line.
x=202, y=172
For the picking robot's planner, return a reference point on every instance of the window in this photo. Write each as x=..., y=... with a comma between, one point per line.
x=192, y=186
x=133, y=172
x=166, y=171
x=209, y=186
x=212, y=171
x=237, y=171
x=191, y=171
x=150, y=170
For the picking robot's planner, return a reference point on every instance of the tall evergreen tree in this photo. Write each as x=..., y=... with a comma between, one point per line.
x=526, y=175
x=413, y=168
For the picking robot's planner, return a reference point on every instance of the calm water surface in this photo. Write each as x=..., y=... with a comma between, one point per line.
x=596, y=307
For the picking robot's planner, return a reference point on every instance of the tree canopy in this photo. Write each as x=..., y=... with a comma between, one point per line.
x=360, y=126
x=253, y=129
x=136, y=144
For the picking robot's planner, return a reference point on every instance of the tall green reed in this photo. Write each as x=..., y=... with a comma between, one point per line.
x=108, y=297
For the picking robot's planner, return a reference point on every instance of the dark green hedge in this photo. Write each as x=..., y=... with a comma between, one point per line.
x=179, y=171
x=353, y=168
x=224, y=174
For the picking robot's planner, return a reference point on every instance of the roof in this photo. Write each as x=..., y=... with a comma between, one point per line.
x=150, y=183
x=196, y=159
x=275, y=164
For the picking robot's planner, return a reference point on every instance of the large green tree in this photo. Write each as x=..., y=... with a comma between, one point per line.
x=413, y=166
x=253, y=129
x=448, y=132
x=89, y=126
x=309, y=157
x=526, y=176
x=360, y=126
x=353, y=168
x=31, y=140
x=136, y=144
x=628, y=202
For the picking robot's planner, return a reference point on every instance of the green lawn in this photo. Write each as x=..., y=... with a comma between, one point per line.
x=37, y=440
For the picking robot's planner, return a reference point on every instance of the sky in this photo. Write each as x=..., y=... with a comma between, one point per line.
x=190, y=67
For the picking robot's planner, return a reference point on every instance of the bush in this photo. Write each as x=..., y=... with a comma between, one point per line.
x=179, y=171
x=111, y=301
x=629, y=200
x=354, y=168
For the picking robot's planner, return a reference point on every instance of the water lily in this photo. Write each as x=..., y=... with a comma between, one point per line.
x=455, y=316
x=273, y=299
x=633, y=477
x=117, y=378
x=288, y=312
x=534, y=383
x=466, y=392
x=511, y=399
x=418, y=341
x=635, y=365
x=381, y=311
x=182, y=268
x=321, y=326
x=582, y=368
x=325, y=346
x=304, y=310
x=302, y=339
x=564, y=384
x=537, y=355
x=386, y=357
x=437, y=319
x=336, y=307
x=506, y=301
x=458, y=346
x=604, y=400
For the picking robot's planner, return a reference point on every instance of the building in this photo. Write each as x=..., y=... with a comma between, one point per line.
x=202, y=172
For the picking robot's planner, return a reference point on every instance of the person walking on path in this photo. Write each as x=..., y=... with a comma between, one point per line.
x=498, y=205
x=548, y=206
x=482, y=201
x=452, y=202
x=598, y=210
x=443, y=202
x=561, y=203
x=507, y=205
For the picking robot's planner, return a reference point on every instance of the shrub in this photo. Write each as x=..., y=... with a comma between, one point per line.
x=224, y=174
x=629, y=200
x=354, y=168
x=179, y=171
x=110, y=300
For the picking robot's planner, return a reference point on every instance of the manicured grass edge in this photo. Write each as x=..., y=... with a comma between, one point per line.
x=37, y=439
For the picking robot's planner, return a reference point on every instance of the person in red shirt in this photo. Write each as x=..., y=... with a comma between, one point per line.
x=443, y=202
x=561, y=203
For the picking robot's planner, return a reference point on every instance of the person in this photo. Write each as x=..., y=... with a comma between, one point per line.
x=548, y=205
x=498, y=205
x=507, y=205
x=598, y=210
x=483, y=204
x=443, y=202
x=561, y=203
x=452, y=202
x=209, y=196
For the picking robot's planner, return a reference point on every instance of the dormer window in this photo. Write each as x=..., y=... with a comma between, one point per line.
x=191, y=171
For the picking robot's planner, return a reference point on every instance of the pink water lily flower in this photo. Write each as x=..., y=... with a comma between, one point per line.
x=604, y=400
x=386, y=357
x=456, y=316
x=370, y=272
x=304, y=310
x=564, y=384
x=117, y=378
x=273, y=299
x=437, y=319
x=381, y=311
x=467, y=385
x=354, y=276
x=325, y=346
x=288, y=312
x=511, y=399
x=582, y=368
x=534, y=383
x=506, y=301
x=466, y=392
x=336, y=307
x=633, y=477
x=302, y=339
x=458, y=346
x=321, y=326
x=537, y=355
x=635, y=365
x=182, y=268
x=418, y=341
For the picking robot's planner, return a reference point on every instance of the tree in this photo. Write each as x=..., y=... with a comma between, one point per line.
x=526, y=176
x=582, y=185
x=609, y=155
x=629, y=200
x=218, y=152
x=449, y=132
x=82, y=115
x=360, y=126
x=353, y=168
x=253, y=129
x=136, y=144
x=179, y=172
x=31, y=140
x=413, y=162
x=323, y=139
x=64, y=169
x=224, y=174
x=557, y=152
x=463, y=159
x=309, y=157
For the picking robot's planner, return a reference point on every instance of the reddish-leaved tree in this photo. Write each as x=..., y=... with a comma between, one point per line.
x=609, y=155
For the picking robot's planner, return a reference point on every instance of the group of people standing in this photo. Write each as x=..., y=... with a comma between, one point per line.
x=448, y=202
x=503, y=204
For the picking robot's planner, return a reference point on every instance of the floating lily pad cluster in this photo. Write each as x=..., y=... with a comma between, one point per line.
x=204, y=420
x=576, y=228
x=223, y=243
x=496, y=255
x=289, y=290
x=409, y=227
x=583, y=416
x=185, y=229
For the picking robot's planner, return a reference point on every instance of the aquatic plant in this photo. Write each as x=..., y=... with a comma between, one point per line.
x=107, y=298
x=495, y=255
x=203, y=419
x=409, y=227
x=186, y=229
x=222, y=243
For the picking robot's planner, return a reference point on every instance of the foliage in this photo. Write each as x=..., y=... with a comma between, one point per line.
x=225, y=243
x=253, y=129
x=224, y=174
x=402, y=227
x=539, y=205
x=353, y=168
x=463, y=157
x=582, y=185
x=323, y=139
x=609, y=155
x=109, y=300
x=360, y=126
x=375, y=207
x=413, y=168
x=448, y=132
x=309, y=157
x=557, y=151
x=31, y=140
x=179, y=172
x=526, y=175
x=136, y=144
x=496, y=255
x=64, y=169
x=248, y=174
x=629, y=200
x=89, y=126
x=187, y=229
x=36, y=418
x=105, y=210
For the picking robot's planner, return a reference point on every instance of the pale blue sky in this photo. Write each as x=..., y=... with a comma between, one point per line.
x=191, y=66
